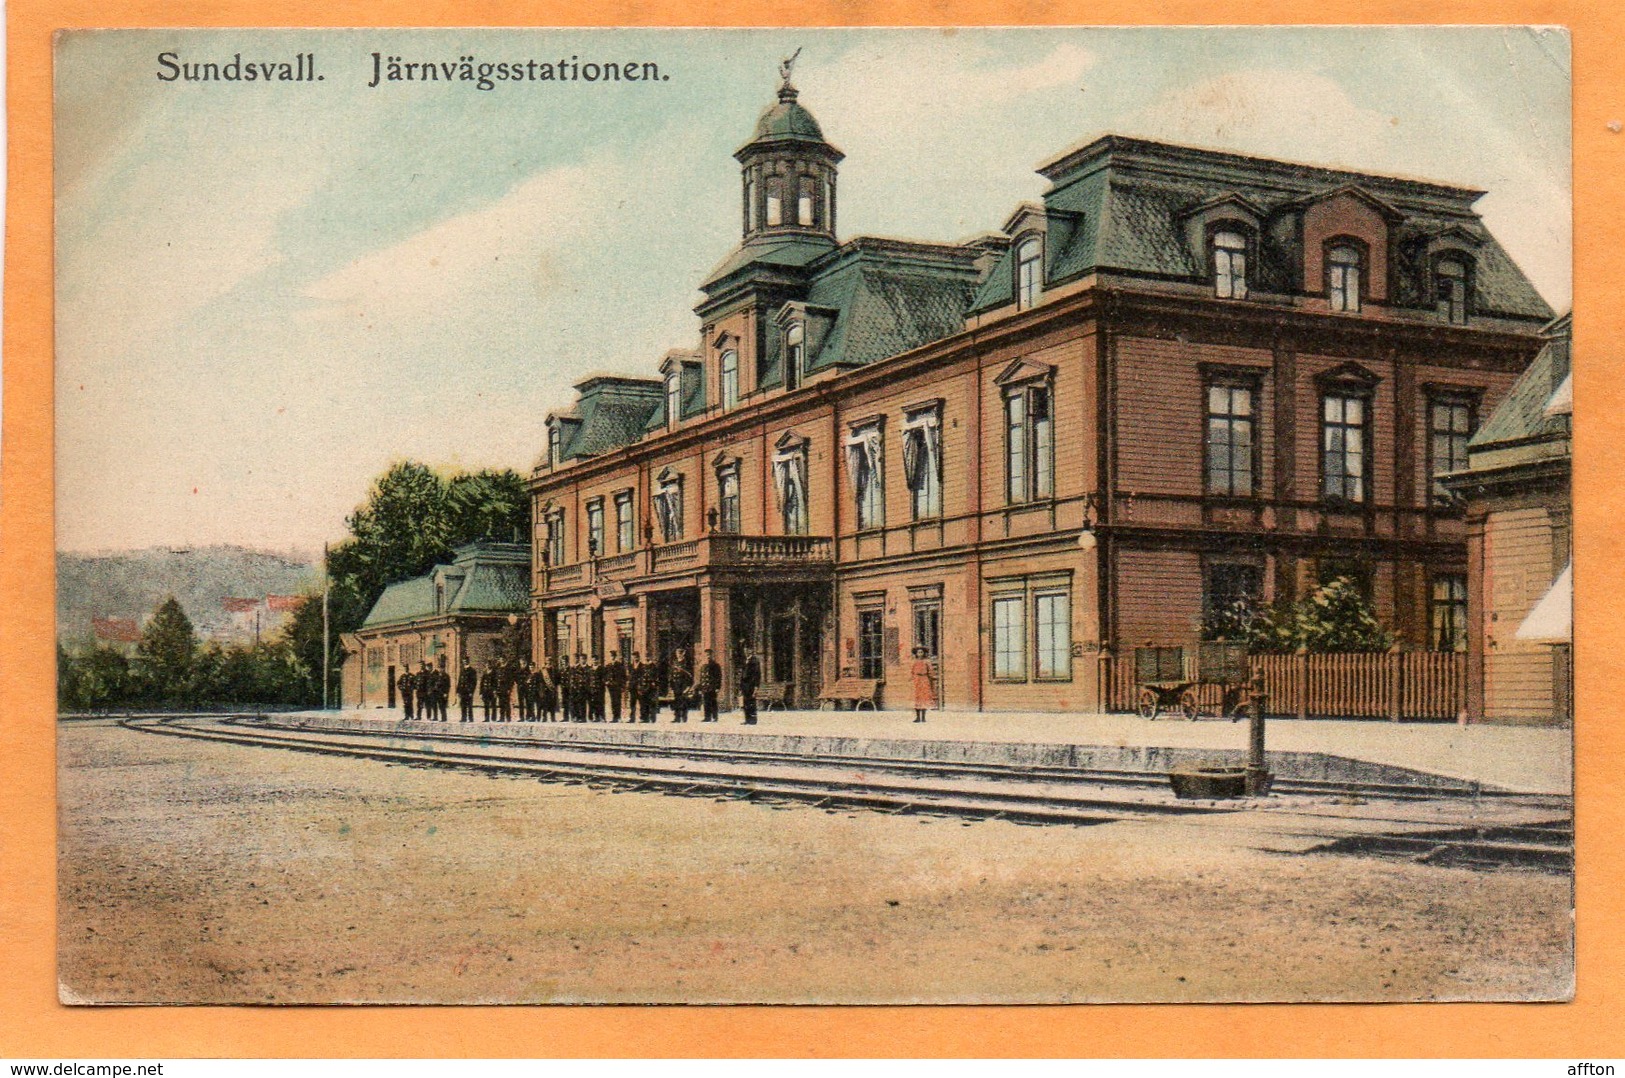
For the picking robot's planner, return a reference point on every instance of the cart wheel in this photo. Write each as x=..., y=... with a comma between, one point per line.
x=1150, y=704
x=1188, y=704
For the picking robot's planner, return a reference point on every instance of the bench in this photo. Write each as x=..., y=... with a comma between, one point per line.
x=855, y=692
x=771, y=694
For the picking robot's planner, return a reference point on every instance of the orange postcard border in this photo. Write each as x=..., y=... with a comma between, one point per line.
x=33, y=1024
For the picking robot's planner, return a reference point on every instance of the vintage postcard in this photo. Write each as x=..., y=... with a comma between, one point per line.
x=804, y=516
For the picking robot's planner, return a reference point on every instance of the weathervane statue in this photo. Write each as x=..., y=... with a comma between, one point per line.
x=785, y=67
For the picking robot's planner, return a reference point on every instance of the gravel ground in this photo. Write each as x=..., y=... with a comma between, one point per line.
x=204, y=873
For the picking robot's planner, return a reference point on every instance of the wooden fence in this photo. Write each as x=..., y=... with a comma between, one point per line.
x=1378, y=685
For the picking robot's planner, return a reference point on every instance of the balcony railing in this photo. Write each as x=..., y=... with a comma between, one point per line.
x=715, y=550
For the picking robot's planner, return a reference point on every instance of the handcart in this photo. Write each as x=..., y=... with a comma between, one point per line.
x=1166, y=685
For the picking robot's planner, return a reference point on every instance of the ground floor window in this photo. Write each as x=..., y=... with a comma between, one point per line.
x=871, y=638
x=1232, y=593
x=1450, y=612
x=928, y=627
x=1032, y=616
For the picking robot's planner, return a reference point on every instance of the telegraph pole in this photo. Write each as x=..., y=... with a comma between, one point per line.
x=327, y=649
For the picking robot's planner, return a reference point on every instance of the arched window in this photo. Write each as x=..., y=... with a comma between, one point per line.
x=730, y=379
x=1450, y=289
x=1229, y=264
x=1343, y=277
x=751, y=220
x=829, y=203
x=674, y=398
x=794, y=354
x=1029, y=271
x=555, y=444
x=775, y=201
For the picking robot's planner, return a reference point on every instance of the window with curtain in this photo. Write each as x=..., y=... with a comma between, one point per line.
x=790, y=487
x=1229, y=264
x=1343, y=277
x=922, y=461
x=865, y=460
x=728, y=511
x=667, y=502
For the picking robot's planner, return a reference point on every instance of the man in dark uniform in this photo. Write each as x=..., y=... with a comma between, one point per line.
x=646, y=678
x=442, y=690
x=488, y=689
x=425, y=693
x=468, y=680
x=523, y=687
x=680, y=680
x=710, y=685
x=505, y=692
x=750, y=676
x=595, y=691
x=407, y=683
x=578, y=689
x=615, y=684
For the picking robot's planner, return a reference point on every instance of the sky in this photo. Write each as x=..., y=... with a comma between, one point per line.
x=266, y=294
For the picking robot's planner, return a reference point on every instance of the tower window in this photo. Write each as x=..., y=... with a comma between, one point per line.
x=1450, y=290
x=1343, y=277
x=775, y=201
x=1229, y=265
x=804, y=202
x=751, y=219
x=1029, y=271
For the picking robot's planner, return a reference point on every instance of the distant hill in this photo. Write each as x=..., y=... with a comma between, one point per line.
x=130, y=584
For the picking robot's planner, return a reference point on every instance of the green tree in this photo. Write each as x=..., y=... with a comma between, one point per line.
x=98, y=678
x=412, y=520
x=1335, y=617
x=165, y=652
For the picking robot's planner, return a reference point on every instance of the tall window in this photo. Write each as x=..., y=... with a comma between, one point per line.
x=795, y=349
x=1343, y=277
x=750, y=205
x=1029, y=444
x=865, y=464
x=1450, y=612
x=1230, y=438
x=1029, y=271
x=1450, y=289
x=922, y=461
x=595, y=527
x=871, y=638
x=555, y=537
x=1229, y=265
x=668, y=507
x=1010, y=637
x=775, y=201
x=804, y=201
x=674, y=398
x=790, y=487
x=1052, y=625
x=927, y=618
x=555, y=446
x=829, y=203
x=730, y=379
x=728, y=497
x=626, y=523
x=1343, y=456
x=1450, y=427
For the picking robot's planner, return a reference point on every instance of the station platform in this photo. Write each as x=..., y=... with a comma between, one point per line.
x=1535, y=760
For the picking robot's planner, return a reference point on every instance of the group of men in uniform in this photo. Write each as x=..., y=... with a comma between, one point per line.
x=576, y=691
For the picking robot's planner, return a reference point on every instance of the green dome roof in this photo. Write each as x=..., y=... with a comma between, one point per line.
x=787, y=119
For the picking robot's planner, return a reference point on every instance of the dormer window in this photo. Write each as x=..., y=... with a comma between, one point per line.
x=1450, y=289
x=1029, y=272
x=1229, y=264
x=795, y=347
x=730, y=379
x=1343, y=272
x=674, y=398
x=555, y=446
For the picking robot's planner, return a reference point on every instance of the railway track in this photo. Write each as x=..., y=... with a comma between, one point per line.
x=1037, y=796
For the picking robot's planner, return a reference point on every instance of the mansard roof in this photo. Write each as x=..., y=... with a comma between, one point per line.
x=483, y=578
x=1117, y=205
x=611, y=412
x=1522, y=415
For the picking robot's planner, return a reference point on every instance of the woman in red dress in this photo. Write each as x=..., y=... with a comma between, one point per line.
x=925, y=685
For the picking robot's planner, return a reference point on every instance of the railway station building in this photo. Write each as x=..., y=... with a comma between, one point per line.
x=1183, y=379
x=474, y=609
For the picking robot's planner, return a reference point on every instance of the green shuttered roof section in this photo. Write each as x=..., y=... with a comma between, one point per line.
x=1522, y=415
x=484, y=578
